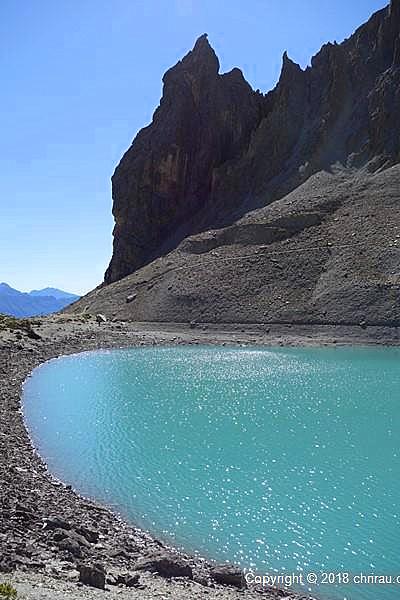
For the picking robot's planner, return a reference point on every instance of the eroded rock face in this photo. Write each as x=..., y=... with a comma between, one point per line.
x=217, y=149
x=164, y=180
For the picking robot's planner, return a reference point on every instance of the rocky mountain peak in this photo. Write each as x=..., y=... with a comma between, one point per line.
x=202, y=58
x=203, y=121
x=202, y=50
x=216, y=149
x=201, y=62
x=290, y=70
x=288, y=63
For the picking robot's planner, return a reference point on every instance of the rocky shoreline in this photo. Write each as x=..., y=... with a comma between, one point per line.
x=50, y=537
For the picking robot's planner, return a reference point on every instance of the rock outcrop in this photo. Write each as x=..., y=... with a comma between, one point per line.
x=165, y=180
x=234, y=206
x=217, y=149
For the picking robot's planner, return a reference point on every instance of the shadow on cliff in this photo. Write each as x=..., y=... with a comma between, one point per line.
x=216, y=149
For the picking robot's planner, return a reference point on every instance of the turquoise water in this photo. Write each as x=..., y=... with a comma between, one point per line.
x=283, y=460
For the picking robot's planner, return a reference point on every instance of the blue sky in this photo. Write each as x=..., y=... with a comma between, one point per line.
x=80, y=77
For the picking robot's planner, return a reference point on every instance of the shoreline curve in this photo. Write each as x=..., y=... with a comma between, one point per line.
x=35, y=502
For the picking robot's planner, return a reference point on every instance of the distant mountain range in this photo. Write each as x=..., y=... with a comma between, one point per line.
x=34, y=303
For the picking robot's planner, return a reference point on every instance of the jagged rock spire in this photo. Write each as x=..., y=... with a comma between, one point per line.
x=202, y=56
x=290, y=69
x=288, y=63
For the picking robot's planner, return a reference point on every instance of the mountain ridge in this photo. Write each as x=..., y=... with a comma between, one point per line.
x=34, y=303
x=224, y=169
x=54, y=292
x=211, y=131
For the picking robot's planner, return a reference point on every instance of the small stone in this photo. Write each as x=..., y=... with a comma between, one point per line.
x=115, y=552
x=128, y=580
x=32, y=334
x=57, y=523
x=111, y=579
x=130, y=298
x=80, y=539
x=201, y=578
x=59, y=534
x=71, y=546
x=132, y=581
x=229, y=575
x=92, y=575
x=6, y=566
x=90, y=535
x=22, y=508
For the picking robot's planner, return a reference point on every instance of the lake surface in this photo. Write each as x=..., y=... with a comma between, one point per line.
x=283, y=460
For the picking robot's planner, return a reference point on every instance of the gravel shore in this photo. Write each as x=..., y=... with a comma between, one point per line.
x=47, y=531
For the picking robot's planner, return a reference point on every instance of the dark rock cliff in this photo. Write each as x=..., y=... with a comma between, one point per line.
x=238, y=207
x=216, y=149
x=166, y=178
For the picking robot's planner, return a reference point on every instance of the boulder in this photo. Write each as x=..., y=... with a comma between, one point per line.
x=72, y=536
x=32, y=334
x=70, y=545
x=59, y=534
x=166, y=565
x=229, y=575
x=93, y=575
x=132, y=580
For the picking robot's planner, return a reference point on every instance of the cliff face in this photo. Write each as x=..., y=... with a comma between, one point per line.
x=216, y=149
x=165, y=179
x=238, y=207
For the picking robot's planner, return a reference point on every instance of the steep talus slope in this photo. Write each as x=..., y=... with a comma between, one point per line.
x=234, y=206
x=328, y=252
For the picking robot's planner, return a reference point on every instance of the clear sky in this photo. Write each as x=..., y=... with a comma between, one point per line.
x=80, y=77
